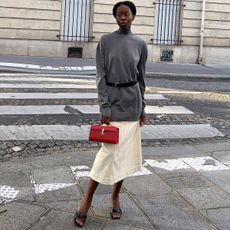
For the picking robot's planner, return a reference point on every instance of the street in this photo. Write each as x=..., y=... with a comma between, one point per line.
x=46, y=157
x=61, y=108
x=210, y=99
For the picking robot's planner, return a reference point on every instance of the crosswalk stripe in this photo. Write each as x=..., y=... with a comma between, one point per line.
x=65, y=132
x=167, y=110
x=48, y=95
x=46, y=79
x=178, y=92
x=85, y=109
x=94, y=109
x=65, y=96
x=32, y=110
x=68, y=132
x=47, y=86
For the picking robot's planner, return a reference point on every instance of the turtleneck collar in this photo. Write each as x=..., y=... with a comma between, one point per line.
x=124, y=31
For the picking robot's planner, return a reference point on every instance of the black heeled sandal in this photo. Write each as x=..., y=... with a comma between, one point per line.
x=82, y=217
x=116, y=211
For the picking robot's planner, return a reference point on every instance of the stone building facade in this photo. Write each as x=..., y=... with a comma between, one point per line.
x=171, y=28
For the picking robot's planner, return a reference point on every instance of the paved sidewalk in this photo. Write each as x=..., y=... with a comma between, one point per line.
x=180, y=187
x=74, y=66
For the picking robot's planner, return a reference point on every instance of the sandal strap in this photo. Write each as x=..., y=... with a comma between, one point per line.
x=80, y=216
x=116, y=210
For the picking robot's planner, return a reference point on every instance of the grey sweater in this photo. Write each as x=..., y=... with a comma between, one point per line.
x=121, y=58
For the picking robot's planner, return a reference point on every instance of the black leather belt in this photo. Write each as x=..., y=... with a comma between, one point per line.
x=121, y=84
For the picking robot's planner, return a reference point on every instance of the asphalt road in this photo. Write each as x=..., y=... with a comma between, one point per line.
x=208, y=98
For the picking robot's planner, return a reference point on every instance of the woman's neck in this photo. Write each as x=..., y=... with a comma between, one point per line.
x=124, y=30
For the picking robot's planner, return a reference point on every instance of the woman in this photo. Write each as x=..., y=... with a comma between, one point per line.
x=120, y=59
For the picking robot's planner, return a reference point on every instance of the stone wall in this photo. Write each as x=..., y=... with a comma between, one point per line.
x=217, y=23
x=30, y=20
x=29, y=27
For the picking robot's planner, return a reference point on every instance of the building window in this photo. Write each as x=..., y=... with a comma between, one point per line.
x=167, y=22
x=76, y=20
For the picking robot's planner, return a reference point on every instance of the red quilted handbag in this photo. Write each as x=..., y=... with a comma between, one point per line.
x=104, y=133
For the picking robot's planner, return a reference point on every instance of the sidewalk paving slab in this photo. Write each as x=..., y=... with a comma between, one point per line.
x=167, y=200
x=20, y=216
x=206, y=197
x=59, y=220
x=132, y=215
x=219, y=216
x=173, y=213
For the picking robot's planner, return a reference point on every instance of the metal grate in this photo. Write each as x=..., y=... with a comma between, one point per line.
x=167, y=22
x=76, y=20
x=166, y=55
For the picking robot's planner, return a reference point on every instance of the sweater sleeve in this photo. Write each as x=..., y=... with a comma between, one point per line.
x=141, y=76
x=103, y=98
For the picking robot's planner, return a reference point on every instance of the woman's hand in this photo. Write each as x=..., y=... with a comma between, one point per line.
x=142, y=120
x=105, y=120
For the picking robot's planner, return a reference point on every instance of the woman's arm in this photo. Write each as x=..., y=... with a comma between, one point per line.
x=103, y=98
x=141, y=80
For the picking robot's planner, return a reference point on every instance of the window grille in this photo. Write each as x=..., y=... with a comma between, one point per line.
x=167, y=22
x=76, y=20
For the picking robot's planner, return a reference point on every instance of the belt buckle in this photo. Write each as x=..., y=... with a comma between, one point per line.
x=116, y=84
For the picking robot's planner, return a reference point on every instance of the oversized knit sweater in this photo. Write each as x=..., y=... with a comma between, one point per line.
x=121, y=58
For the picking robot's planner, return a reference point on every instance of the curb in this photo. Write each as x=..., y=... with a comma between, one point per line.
x=157, y=75
x=41, y=71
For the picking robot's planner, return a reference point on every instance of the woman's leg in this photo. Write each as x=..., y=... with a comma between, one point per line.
x=87, y=199
x=115, y=199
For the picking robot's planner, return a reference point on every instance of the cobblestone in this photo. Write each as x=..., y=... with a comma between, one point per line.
x=7, y=156
x=4, y=146
x=45, y=147
x=34, y=148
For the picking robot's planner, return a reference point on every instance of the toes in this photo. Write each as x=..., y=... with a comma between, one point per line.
x=79, y=222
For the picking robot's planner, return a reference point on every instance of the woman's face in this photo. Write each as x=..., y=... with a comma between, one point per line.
x=124, y=17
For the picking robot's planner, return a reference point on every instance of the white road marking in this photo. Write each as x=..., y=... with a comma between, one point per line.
x=83, y=171
x=47, y=86
x=180, y=131
x=167, y=164
x=7, y=194
x=85, y=109
x=70, y=132
x=42, y=67
x=178, y=92
x=155, y=97
x=8, y=64
x=144, y=172
x=46, y=79
x=41, y=188
x=32, y=110
x=197, y=163
x=167, y=110
x=48, y=95
x=65, y=95
x=80, y=171
x=94, y=109
x=205, y=164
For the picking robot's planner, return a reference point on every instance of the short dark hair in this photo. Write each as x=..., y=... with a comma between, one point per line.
x=126, y=3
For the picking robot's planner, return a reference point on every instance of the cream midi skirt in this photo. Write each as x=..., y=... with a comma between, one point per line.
x=114, y=162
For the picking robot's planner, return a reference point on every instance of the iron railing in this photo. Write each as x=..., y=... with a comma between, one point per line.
x=167, y=22
x=76, y=20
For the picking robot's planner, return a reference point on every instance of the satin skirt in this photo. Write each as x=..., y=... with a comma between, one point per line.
x=114, y=162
